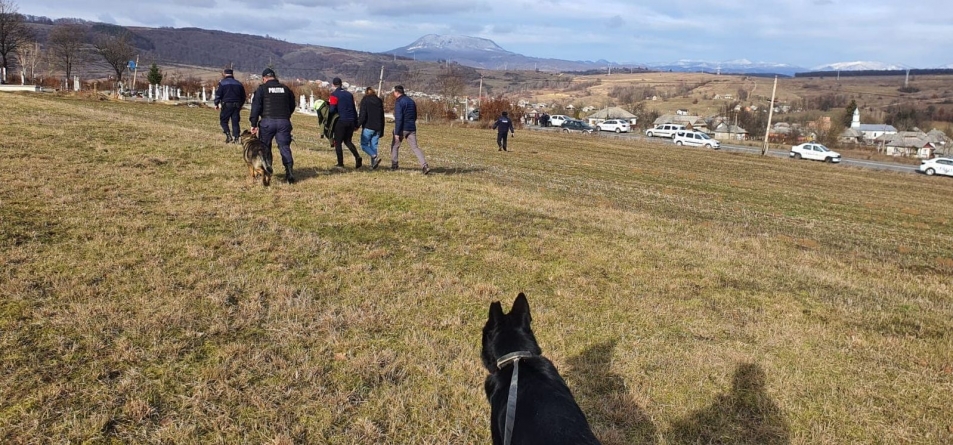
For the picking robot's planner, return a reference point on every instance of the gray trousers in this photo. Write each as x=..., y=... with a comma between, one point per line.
x=411, y=138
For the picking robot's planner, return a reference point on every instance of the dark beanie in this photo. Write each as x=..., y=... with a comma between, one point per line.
x=336, y=81
x=228, y=72
x=504, y=113
x=268, y=72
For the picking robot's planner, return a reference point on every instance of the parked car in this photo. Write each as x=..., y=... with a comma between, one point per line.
x=664, y=130
x=473, y=115
x=695, y=139
x=616, y=125
x=937, y=166
x=815, y=151
x=578, y=126
x=557, y=120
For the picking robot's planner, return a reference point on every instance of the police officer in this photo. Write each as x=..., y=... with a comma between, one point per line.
x=230, y=96
x=503, y=125
x=271, y=110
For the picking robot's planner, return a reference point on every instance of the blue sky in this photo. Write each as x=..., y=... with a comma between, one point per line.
x=805, y=33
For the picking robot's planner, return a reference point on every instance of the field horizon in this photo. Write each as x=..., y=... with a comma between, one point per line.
x=152, y=294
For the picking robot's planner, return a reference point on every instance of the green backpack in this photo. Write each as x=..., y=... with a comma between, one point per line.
x=325, y=121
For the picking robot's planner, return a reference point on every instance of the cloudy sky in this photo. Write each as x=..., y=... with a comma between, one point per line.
x=805, y=33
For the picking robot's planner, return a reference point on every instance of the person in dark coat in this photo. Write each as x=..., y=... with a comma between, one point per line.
x=405, y=128
x=230, y=97
x=371, y=119
x=342, y=103
x=503, y=126
x=271, y=110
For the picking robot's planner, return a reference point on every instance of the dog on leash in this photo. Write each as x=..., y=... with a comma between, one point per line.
x=258, y=164
x=543, y=409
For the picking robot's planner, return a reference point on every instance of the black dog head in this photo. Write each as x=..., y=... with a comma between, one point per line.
x=506, y=333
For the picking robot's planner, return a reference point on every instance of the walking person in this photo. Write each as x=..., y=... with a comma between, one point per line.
x=370, y=117
x=504, y=127
x=342, y=103
x=271, y=110
x=230, y=97
x=405, y=128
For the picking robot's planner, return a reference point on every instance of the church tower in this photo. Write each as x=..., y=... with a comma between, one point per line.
x=855, y=122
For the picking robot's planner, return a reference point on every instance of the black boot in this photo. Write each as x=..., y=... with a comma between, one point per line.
x=228, y=138
x=289, y=173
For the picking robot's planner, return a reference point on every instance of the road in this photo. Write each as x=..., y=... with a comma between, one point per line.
x=873, y=165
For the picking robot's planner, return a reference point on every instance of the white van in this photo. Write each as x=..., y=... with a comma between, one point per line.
x=557, y=120
x=664, y=130
x=695, y=139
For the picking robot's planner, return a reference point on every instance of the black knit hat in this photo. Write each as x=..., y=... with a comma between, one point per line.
x=336, y=81
x=228, y=72
x=268, y=72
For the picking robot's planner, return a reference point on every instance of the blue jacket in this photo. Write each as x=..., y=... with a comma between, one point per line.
x=405, y=115
x=230, y=90
x=342, y=103
x=504, y=124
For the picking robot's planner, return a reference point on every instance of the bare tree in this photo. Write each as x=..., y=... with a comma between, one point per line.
x=117, y=51
x=66, y=47
x=28, y=56
x=451, y=85
x=13, y=32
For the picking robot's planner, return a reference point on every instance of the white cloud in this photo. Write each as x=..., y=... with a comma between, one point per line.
x=803, y=32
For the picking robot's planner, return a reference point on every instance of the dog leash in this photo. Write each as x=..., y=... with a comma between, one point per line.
x=514, y=358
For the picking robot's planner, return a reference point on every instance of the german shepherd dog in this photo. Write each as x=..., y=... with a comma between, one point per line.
x=258, y=165
x=545, y=410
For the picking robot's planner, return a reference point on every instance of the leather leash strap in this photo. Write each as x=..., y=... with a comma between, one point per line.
x=513, y=358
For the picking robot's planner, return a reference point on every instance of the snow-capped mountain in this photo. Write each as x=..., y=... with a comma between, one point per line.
x=860, y=66
x=483, y=53
x=434, y=42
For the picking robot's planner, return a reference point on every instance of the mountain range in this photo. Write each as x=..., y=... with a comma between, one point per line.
x=484, y=53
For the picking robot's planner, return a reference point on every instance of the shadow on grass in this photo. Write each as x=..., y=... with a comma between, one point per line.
x=615, y=417
x=745, y=415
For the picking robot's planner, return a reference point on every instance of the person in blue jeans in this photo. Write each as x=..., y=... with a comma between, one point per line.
x=371, y=119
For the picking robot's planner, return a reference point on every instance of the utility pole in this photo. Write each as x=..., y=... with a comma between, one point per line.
x=480, y=99
x=380, y=83
x=767, y=131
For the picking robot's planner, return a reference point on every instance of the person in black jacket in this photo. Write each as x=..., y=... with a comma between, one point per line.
x=342, y=103
x=503, y=125
x=271, y=110
x=371, y=119
x=230, y=96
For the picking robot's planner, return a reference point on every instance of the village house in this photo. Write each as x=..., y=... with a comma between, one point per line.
x=696, y=123
x=611, y=113
x=725, y=131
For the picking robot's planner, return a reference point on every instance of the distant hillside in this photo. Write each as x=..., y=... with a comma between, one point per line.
x=169, y=47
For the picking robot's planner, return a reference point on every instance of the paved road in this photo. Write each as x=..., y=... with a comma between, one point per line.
x=873, y=165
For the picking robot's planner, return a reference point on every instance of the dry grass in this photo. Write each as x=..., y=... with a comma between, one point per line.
x=150, y=294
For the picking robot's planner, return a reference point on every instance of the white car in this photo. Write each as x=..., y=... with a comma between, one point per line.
x=557, y=120
x=937, y=166
x=664, y=130
x=815, y=151
x=695, y=139
x=616, y=125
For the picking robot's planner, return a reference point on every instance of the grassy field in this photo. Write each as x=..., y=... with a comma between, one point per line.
x=151, y=294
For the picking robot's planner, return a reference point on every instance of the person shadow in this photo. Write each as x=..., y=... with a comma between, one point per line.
x=615, y=417
x=744, y=415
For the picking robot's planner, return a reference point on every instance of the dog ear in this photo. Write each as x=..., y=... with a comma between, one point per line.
x=496, y=312
x=521, y=308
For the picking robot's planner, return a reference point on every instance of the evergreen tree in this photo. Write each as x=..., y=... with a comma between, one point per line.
x=155, y=76
x=848, y=116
